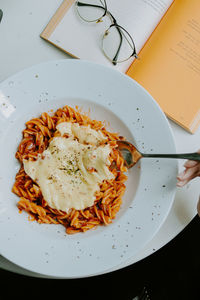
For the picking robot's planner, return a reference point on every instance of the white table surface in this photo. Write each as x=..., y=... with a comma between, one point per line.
x=21, y=47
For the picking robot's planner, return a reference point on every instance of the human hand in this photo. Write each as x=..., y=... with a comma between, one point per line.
x=192, y=170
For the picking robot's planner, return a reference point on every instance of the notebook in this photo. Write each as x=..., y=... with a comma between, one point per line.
x=169, y=65
x=160, y=29
x=67, y=31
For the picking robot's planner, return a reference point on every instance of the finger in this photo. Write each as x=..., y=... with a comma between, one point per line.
x=181, y=176
x=181, y=183
x=190, y=163
x=189, y=173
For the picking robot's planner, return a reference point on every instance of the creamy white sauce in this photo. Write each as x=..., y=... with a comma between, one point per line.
x=63, y=172
x=84, y=134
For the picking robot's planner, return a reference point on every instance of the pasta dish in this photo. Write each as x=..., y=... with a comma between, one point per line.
x=71, y=172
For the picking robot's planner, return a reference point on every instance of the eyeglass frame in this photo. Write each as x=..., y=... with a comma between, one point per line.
x=114, y=23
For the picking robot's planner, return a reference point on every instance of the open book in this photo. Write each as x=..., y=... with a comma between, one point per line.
x=142, y=19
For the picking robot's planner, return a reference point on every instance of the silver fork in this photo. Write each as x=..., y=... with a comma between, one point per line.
x=143, y=295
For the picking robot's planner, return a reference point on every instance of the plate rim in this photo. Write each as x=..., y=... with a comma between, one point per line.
x=60, y=61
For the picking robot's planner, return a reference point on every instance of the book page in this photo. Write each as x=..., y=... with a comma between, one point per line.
x=83, y=39
x=169, y=65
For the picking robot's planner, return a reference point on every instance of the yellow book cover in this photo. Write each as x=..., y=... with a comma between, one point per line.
x=169, y=64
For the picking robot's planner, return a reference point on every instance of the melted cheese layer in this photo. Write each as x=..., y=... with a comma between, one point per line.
x=69, y=172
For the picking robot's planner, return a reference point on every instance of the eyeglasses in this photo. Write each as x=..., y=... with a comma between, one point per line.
x=117, y=44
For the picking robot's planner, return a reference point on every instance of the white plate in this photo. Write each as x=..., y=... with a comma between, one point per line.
x=111, y=96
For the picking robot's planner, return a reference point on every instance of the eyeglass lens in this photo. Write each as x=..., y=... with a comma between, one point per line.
x=117, y=44
x=91, y=11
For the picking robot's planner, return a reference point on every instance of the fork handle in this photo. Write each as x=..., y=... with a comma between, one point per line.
x=190, y=156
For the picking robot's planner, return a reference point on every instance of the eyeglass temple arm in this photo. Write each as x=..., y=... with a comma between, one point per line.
x=120, y=35
x=92, y=5
x=119, y=47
